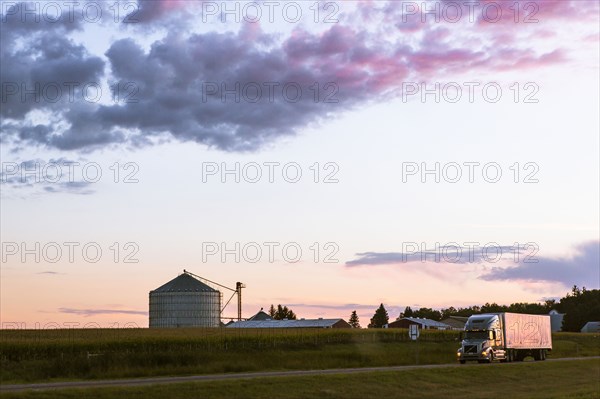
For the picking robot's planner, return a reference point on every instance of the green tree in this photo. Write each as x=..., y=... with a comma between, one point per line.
x=282, y=312
x=408, y=312
x=530, y=308
x=353, y=321
x=380, y=318
x=550, y=304
x=428, y=313
x=493, y=308
x=579, y=306
x=451, y=311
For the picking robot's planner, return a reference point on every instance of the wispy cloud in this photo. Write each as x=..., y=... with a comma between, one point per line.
x=349, y=306
x=44, y=176
x=96, y=312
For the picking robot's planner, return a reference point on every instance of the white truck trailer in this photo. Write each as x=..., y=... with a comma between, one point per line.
x=506, y=337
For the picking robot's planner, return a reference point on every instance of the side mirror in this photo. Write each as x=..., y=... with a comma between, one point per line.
x=492, y=335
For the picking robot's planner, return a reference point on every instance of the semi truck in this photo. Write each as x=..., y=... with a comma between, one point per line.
x=505, y=337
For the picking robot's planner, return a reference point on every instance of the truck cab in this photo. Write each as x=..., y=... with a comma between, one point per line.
x=482, y=339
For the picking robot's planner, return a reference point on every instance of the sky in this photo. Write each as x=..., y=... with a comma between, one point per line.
x=331, y=156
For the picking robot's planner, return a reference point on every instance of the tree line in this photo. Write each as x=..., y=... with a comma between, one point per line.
x=579, y=306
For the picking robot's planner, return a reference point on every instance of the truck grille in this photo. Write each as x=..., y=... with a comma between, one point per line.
x=472, y=349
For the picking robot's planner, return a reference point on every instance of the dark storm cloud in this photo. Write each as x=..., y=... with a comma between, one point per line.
x=181, y=87
x=447, y=253
x=39, y=62
x=148, y=11
x=582, y=269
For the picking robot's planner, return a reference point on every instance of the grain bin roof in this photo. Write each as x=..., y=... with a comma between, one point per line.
x=184, y=283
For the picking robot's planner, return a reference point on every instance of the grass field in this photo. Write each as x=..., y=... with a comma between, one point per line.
x=568, y=379
x=58, y=355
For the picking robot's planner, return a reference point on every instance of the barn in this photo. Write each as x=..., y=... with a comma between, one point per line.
x=591, y=327
x=263, y=320
x=424, y=324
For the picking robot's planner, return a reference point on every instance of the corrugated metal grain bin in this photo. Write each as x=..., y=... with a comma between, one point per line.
x=185, y=302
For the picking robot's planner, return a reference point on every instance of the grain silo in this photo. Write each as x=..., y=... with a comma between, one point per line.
x=185, y=302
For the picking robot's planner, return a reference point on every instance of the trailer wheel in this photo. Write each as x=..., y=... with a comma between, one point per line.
x=462, y=361
x=537, y=355
x=543, y=354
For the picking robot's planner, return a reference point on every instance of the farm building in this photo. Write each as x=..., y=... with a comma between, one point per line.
x=591, y=327
x=302, y=323
x=185, y=302
x=261, y=315
x=556, y=320
x=424, y=324
x=263, y=320
x=455, y=322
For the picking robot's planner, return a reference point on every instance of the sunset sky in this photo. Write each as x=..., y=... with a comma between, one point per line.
x=359, y=130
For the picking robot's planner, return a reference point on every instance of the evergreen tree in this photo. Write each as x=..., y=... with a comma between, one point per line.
x=380, y=318
x=580, y=306
x=408, y=312
x=353, y=321
x=282, y=312
x=427, y=313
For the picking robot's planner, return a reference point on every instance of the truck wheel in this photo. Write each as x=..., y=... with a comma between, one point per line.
x=509, y=356
x=543, y=354
x=537, y=355
x=462, y=361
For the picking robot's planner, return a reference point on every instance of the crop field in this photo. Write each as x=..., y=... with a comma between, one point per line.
x=57, y=355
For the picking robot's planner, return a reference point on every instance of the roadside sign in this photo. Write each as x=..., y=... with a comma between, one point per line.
x=413, y=332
